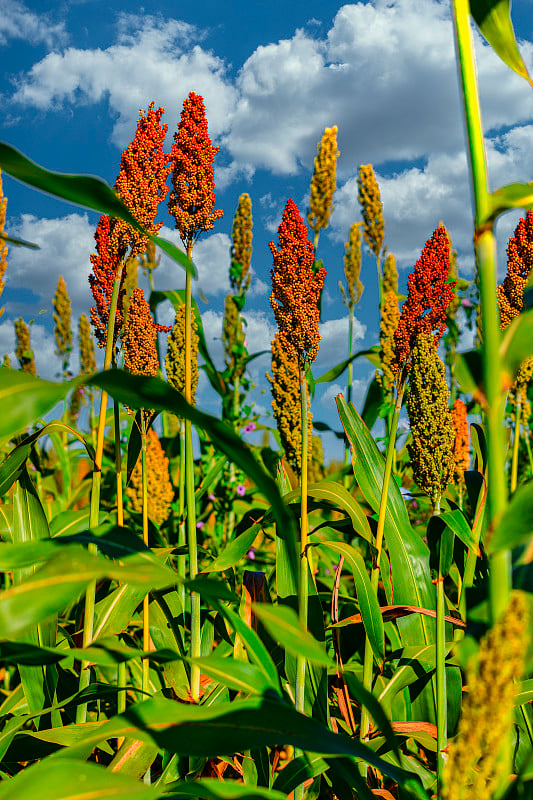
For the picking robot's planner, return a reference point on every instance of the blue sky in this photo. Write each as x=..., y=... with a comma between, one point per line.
x=273, y=75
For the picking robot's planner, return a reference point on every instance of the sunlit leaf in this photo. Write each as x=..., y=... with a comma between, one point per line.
x=493, y=18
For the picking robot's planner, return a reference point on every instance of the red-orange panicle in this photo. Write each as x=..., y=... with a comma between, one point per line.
x=295, y=288
x=429, y=295
x=461, y=444
x=144, y=169
x=519, y=266
x=192, y=198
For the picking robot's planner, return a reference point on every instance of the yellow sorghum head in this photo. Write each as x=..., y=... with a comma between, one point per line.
x=323, y=181
x=390, y=275
x=3, y=245
x=62, y=322
x=352, y=266
x=432, y=430
x=286, y=403
x=315, y=471
x=85, y=338
x=129, y=283
x=23, y=347
x=160, y=490
x=518, y=391
x=241, y=248
x=175, y=358
x=7, y=361
x=473, y=765
x=461, y=455
x=390, y=316
x=371, y=207
x=139, y=338
x=232, y=337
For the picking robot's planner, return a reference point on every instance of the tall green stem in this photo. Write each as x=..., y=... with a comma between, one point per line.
x=189, y=496
x=146, y=600
x=182, y=534
x=88, y=626
x=440, y=674
x=485, y=246
x=368, y=661
x=349, y=388
x=516, y=442
x=303, y=587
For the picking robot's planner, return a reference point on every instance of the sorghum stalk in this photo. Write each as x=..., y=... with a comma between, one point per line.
x=146, y=599
x=516, y=441
x=485, y=248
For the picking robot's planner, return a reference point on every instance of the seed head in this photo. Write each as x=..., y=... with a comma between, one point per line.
x=286, y=403
x=390, y=316
x=160, y=489
x=429, y=296
x=473, y=766
x=144, y=168
x=139, y=338
x=323, y=181
x=371, y=208
x=175, y=358
x=86, y=342
x=192, y=198
x=352, y=266
x=233, y=339
x=461, y=445
x=241, y=248
x=7, y=361
x=23, y=349
x=510, y=293
x=62, y=322
x=432, y=430
x=390, y=275
x=295, y=288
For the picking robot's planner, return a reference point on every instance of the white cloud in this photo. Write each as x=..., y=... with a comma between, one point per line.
x=18, y=22
x=42, y=343
x=65, y=247
x=152, y=59
x=211, y=256
x=334, y=340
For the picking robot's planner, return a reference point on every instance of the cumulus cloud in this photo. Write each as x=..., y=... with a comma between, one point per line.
x=211, y=256
x=334, y=340
x=152, y=59
x=65, y=246
x=18, y=22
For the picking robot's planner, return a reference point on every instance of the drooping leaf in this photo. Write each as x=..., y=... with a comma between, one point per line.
x=235, y=550
x=517, y=345
x=282, y=624
x=82, y=190
x=515, y=526
x=493, y=18
x=374, y=399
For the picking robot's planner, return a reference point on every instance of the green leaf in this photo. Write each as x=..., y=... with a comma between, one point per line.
x=235, y=674
x=212, y=789
x=409, y=557
x=282, y=624
x=336, y=371
x=18, y=242
x=493, y=19
x=62, y=580
x=516, y=195
x=24, y=399
x=368, y=602
x=235, y=550
x=339, y=497
x=72, y=779
x=469, y=371
x=256, y=650
x=515, y=525
x=299, y=770
x=82, y=190
x=412, y=665
x=375, y=397
x=517, y=345
x=456, y=521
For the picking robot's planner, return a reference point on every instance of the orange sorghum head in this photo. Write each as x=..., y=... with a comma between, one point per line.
x=429, y=295
x=192, y=198
x=241, y=248
x=519, y=264
x=160, y=490
x=144, y=168
x=139, y=338
x=286, y=401
x=296, y=288
x=461, y=455
x=323, y=181
x=371, y=208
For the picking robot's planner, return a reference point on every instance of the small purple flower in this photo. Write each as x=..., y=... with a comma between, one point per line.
x=465, y=302
x=328, y=572
x=251, y=553
x=211, y=497
x=415, y=504
x=241, y=490
x=200, y=525
x=250, y=427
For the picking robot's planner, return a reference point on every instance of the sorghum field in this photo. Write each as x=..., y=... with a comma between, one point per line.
x=238, y=621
